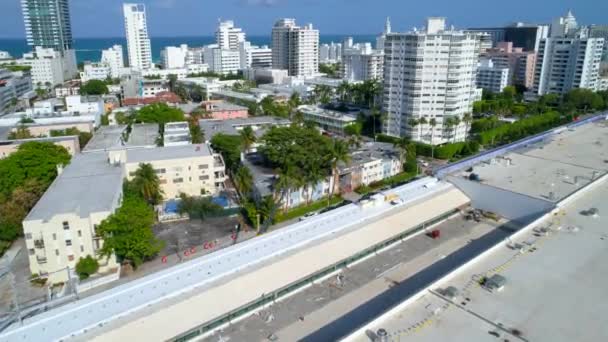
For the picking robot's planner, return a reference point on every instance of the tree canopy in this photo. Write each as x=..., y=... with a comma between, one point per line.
x=86, y=267
x=230, y=148
x=94, y=87
x=159, y=113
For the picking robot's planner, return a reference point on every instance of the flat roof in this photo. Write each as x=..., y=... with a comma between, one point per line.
x=554, y=288
x=143, y=135
x=371, y=151
x=560, y=164
x=143, y=155
x=327, y=113
x=89, y=184
x=106, y=137
x=43, y=139
x=213, y=127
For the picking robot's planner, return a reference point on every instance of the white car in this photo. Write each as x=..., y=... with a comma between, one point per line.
x=309, y=215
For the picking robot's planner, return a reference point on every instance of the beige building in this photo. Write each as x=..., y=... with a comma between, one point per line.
x=70, y=143
x=61, y=228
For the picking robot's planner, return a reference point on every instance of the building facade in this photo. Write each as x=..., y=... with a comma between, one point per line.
x=256, y=57
x=519, y=62
x=13, y=85
x=48, y=67
x=114, y=59
x=95, y=71
x=174, y=57
x=229, y=37
x=295, y=48
x=361, y=63
x=430, y=75
x=47, y=24
x=138, y=41
x=491, y=77
x=222, y=61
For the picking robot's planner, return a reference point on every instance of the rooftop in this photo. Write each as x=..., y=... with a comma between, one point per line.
x=553, y=168
x=144, y=155
x=327, y=113
x=106, y=137
x=233, y=126
x=89, y=184
x=143, y=135
x=373, y=151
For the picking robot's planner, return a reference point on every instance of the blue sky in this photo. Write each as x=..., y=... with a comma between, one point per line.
x=103, y=18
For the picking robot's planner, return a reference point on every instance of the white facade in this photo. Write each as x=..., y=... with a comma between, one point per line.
x=114, y=58
x=48, y=66
x=361, y=63
x=252, y=56
x=5, y=55
x=429, y=74
x=330, y=53
x=491, y=77
x=567, y=60
x=175, y=57
x=295, y=48
x=229, y=37
x=222, y=61
x=138, y=42
x=382, y=38
x=95, y=71
x=13, y=85
x=77, y=104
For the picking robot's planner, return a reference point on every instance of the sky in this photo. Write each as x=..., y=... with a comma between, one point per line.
x=170, y=18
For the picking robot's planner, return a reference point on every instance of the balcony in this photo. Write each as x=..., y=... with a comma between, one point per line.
x=39, y=244
x=41, y=259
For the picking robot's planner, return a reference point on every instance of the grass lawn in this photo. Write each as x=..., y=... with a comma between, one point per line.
x=305, y=209
x=399, y=178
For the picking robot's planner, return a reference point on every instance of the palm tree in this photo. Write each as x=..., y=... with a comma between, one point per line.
x=243, y=180
x=311, y=179
x=403, y=145
x=422, y=121
x=412, y=123
x=343, y=90
x=248, y=138
x=294, y=101
x=455, y=121
x=433, y=123
x=374, y=114
x=147, y=184
x=355, y=141
x=339, y=153
x=448, y=123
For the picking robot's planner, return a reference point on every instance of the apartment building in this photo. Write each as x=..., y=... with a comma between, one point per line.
x=61, y=228
x=371, y=163
x=328, y=120
x=295, y=48
x=429, y=74
x=114, y=59
x=138, y=41
x=491, y=77
x=361, y=63
x=519, y=62
x=48, y=67
x=13, y=85
x=229, y=37
x=95, y=71
x=222, y=61
x=255, y=57
x=70, y=143
x=174, y=57
x=330, y=53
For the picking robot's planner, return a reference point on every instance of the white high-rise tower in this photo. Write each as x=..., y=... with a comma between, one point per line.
x=295, y=48
x=138, y=42
x=229, y=37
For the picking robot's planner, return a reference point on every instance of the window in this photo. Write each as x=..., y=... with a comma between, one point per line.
x=82, y=249
x=68, y=242
x=32, y=251
x=178, y=180
x=57, y=252
x=28, y=236
x=70, y=258
x=80, y=233
x=66, y=225
x=160, y=171
x=203, y=177
x=203, y=167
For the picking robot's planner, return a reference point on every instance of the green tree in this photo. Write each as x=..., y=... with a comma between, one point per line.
x=243, y=180
x=86, y=267
x=147, y=184
x=94, y=87
x=21, y=132
x=433, y=123
x=128, y=232
x=159, y=113
x=248, y=138
x=339, y=153
x=197, y=135
x=229, y=146
x=200, y=208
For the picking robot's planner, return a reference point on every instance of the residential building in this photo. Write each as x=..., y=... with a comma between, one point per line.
x=180, y=73
x=5, y=55
x=519, y=62
x=70, y=143
x=258, y=124
x=328, y=120
x=361, y=63
x=221, y=110
x=13, y=85
x=95, y=71
x=600, y=31
x=330, y=53
x=44, y=130
x=61, y=228
x=48, y=67
x=85, y=104
x=430, y=74
x=295, y=48
x=568, y=59
x=222, y=61
x=256, y=57
x=67, y=89
x=151, y=88
x=229, y=37
x=266, y=76
x=603, y=84
x=382, y=38
x=370, y=163
x=114, y=59
x=138, y=42
x=491, y=77
x=173, y=57
x=525, y=36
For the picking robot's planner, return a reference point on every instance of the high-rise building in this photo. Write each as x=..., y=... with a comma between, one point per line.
x=564, y=26
x=48, y=67
x=430, y=74
x=491, y=77
x=295, y=48
x=229, y=37
x=47, y=24
x=113, y=58
x=222, y=61
x=600, y=31
x=258, y=57
x=525, y=36
x=382, y=38
x=330, y=53
x=138, y=42
x=519, y=62
x=362, y=63
x=174, y=57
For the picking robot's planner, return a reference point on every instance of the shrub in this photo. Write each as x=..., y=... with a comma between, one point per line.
x=86, y=267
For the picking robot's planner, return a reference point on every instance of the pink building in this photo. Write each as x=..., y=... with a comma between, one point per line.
x=220, y=110
x=519, y=62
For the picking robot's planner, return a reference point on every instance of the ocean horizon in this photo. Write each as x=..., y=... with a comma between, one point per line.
x=89, y=49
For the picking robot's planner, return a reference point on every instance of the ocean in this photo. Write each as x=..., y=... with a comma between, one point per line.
x=89, y=49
